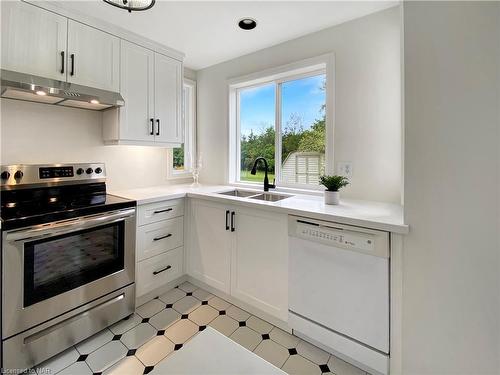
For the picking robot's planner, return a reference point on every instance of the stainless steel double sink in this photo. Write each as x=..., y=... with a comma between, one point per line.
x=269, y=197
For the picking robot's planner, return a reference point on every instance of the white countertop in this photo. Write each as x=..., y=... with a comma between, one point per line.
x=368, y=214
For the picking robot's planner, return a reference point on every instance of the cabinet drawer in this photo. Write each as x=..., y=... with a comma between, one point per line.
x=159, y=270
x=156, y=238
x=154, y=212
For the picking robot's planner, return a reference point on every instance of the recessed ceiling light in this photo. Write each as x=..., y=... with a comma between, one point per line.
x=40, y=92
x=247, y=24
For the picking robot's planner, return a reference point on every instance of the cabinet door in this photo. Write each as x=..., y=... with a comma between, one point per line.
x=209, y=250
x=33, y=40
x=137, y=88
x=259, y=266
x=93, y=57
x=168, y=99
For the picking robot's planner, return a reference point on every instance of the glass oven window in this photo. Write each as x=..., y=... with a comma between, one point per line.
x=58, y=264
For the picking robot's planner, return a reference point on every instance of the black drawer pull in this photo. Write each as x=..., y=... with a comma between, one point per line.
x=162, y=237
x=160, y=211
x=62, y=62
x=227, y=219
x=72, y=56
x=232, y=221
x=162, y=270
x=158, y=126
x=152, y=132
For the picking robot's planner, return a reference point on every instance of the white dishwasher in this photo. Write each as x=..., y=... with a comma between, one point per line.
x=339, y=290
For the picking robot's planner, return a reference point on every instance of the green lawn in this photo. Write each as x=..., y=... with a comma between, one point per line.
x=259, y=176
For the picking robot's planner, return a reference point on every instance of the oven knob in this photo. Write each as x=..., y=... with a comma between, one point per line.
x=98, y=170
x=5, y=175
x=18, y=175
x=79, y=171
x=89, y=170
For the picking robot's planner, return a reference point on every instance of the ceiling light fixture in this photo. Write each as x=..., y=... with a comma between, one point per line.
x=94, y=101
x=41, y=93
x=132, y=5
x=247, y=24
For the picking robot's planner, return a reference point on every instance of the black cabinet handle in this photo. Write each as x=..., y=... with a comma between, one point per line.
x=62, y=62
x=152, y=132
x=162, y=237
x=72, y=73
x=227, y=219
x=160, y=211
x=232, y=221
x=157, y=126
x=162, y=270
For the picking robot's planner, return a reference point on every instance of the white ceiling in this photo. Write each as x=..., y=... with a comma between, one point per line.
x=207, y=32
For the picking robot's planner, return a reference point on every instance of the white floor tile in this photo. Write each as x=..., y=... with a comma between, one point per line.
x=172, y=296
x=77, y=368
x=138, y=335
x=259, y=325
x=150, y=308
x=126, y=366
x=59, y=361
x=181, y=331
x=219, y=303
x=284, y=338
x=340, y=367
x=224, y=324
x=164, y=319
x=125, y=324
x=297, y=365
x=188, y=287
x=272, y=352
x=247, y=338
x=203, y=315
x=187, y=304
x=202, y=295
x=237, y=314
x=154, y=350
x=95, y=342
x=312, y=353
x=106, y=356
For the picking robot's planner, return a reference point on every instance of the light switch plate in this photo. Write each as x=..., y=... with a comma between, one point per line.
x=344, y=168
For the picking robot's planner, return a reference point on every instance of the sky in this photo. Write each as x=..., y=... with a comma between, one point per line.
x=303, y=96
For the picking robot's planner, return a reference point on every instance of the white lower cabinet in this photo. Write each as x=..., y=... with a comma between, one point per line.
x=259, y=260
x=242, y=252
x=155, y=272
x=159, y=246
x=209, y=254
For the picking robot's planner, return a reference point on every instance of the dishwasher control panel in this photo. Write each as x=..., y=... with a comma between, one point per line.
x=337, y=237
x=346, y=237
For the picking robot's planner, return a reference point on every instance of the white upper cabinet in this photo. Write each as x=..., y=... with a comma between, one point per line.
x=137, y=89
x=33, y=40
x=93, y=57
x=168, y=96
x=151, y=84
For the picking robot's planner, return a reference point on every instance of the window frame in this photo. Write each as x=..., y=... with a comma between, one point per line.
x=189, y=127
x=324, y=64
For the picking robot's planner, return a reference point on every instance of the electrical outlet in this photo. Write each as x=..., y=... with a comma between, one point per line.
x=344, y=168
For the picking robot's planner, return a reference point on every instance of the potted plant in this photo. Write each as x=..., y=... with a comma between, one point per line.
x=333, y=184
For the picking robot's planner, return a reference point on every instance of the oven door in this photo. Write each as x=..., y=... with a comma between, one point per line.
x=51, y=269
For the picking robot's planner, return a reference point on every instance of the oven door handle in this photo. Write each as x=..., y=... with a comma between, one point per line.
x=68, y=226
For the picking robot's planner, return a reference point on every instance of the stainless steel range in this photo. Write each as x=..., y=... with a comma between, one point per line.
x=68, y=259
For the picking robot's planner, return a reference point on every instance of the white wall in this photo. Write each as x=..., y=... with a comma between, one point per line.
x=368, y=101
x=41, y=133
x=451, y=307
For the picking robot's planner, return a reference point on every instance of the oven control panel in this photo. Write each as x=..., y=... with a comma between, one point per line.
x=26, y=175
x=55, y=172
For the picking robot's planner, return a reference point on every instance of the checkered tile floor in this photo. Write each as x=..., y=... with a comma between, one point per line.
x=139, y=342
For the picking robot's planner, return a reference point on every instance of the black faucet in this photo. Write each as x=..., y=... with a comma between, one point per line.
x=267, y=185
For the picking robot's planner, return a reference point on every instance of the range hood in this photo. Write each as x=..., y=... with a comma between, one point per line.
x=21, y=86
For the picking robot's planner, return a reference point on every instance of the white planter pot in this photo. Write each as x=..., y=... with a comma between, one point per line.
x=332, y=197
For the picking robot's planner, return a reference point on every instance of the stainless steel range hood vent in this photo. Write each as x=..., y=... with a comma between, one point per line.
x=15, y=85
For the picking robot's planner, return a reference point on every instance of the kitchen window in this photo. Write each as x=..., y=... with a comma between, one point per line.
x=182, y=158
x=284, y=117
